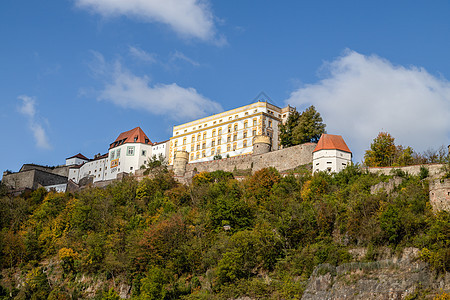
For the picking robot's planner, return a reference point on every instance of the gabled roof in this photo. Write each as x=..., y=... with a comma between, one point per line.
x=135, y=135
x=331, y=142
x=79, y=155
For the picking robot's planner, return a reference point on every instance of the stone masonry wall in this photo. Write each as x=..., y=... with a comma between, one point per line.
x=282, y=160
x=440, y=194
x=435, y=170
x=32, y=179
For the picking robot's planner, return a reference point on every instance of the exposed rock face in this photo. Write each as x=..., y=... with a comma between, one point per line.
x=394, y=278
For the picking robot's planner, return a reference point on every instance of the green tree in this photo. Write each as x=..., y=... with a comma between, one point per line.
x=382, y=151
x=302, y=128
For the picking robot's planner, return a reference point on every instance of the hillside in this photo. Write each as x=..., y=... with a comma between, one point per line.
x=266, y=237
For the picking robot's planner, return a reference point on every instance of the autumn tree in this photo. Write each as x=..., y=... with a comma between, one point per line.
x=382, y=151
x=302, y=128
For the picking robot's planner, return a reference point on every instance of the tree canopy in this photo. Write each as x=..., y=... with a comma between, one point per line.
x=302, y=128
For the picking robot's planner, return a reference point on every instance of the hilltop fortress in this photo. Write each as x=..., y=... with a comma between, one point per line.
x=245, y=139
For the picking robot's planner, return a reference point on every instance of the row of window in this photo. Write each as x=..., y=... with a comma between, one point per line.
x=216, y=152
x=219, y=140
x=215, y=122
x=130, y=152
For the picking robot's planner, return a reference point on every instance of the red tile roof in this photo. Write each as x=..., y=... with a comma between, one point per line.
x=331, y=142
x=79, y=155
x=135, y=135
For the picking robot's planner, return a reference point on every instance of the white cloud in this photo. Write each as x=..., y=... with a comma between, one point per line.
x=28, y=108
x=363, y=95
x=189, y=18
x=180, y=56
x=142, y=55
x=125, y=89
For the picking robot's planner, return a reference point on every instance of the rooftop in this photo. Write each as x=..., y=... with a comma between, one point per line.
x=332, y=142
x=135, y=135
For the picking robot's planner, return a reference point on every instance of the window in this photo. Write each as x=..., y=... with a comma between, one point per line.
x=235, y=137
x=199, y=137
x=135, y=139
x=112, y=154
x=220, y=121
x=219, y=141
x=193, y=138
x=228, y=147
x=213, y=143
x=203, y=154
x=176, y=143
x=184, y=141
x=100, y=169
x=234, y=146
x=204, y=135
x=192, y=156
x=198, y=155
x=235, y=127
x=245, y=124
x=228, y=138
x=212, y=151
x=218, y=151
x=236, y=116
x=254, y=122
x=131, y=168
x=245, y=134
x=254, y=132
x=117, y=153
x=219, y=132
x=246, y=113
x=229, y=128
x=203, y=145
x=176, y=133
x=198, y=147
x=214, y=133
x=200, y=126
x=183, y=148
x=229, y=118
x=130, y=150
x=192, y=148
x=245, y=143
x=270, y=123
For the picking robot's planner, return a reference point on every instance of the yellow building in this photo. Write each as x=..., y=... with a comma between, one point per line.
x=229, y=133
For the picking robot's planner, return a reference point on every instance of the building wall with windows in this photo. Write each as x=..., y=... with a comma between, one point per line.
x=331, y=160
x=229, y=133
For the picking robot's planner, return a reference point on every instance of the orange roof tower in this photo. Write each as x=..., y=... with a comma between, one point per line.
x=331, y=142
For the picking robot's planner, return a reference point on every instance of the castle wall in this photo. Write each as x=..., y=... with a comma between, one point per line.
x=60, y=170
x=440, y=194
x=285, y=159
x=32, y=179
x=435, y=170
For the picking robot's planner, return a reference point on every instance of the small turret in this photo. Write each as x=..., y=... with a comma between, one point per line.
x=179, y=163
x=261, y=144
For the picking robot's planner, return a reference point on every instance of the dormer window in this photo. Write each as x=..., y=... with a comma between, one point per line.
x=147, y=141
x=135, y=139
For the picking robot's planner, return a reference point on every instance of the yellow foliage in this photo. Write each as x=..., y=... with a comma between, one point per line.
x=443, y=296
x=67, y=254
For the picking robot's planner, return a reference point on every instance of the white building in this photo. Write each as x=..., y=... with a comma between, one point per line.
x=331, y=154
x=229, y=133
x=127, y=153
x=78, y=159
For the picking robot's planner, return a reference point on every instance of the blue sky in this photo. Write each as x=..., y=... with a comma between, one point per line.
x=74, y=74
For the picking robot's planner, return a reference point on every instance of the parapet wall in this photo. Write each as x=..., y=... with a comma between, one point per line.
x=435, y=170
x=32, y=179
x=282, y=160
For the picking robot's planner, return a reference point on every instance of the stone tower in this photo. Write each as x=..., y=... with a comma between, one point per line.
x=261, y=144
x=179, y=163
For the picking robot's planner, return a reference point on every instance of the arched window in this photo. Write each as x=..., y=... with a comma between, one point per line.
x=245, y=143
x=193, y=138
x=214, y=132
x=254, y=122
x=192, y=156
x=184, y=141
x=235, y=127
x=212, y=151
x=234, y=146
x=245, y=134
x=228, y=147
x=245, y=124
x=203, y=153
x=229, y=128
x=219, y=131
x=204, y=135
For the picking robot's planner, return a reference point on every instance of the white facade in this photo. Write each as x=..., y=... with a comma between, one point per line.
x=331, y=160
x=161, y=148
x=95, y=168
x=127, y=158
x=72, y=161
x=229, y=133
